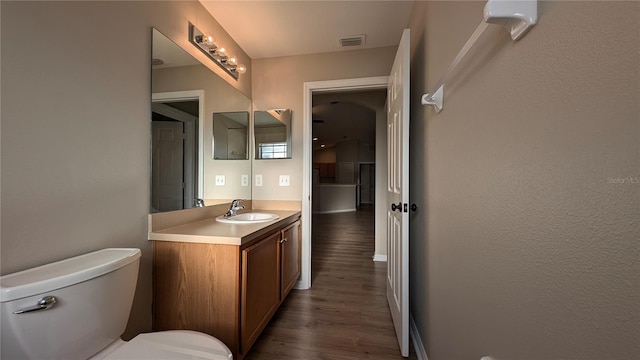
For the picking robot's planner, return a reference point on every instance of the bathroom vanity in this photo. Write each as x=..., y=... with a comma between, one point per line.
x=224, y=280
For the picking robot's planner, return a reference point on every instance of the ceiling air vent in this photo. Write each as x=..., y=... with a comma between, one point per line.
x=356, y=40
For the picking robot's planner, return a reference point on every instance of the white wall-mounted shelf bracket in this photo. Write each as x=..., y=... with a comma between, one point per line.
x=436, y=99
x=516, y=16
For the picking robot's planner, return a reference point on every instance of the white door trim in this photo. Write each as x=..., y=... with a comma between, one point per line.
x=190, y=95
x=372, y=83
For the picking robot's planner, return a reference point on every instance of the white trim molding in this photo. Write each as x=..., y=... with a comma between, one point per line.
x=378, y=82
x=418, y=345
x=380, y=257
x=335, y=211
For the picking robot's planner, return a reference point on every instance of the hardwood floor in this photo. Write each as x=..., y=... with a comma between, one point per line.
x=345, y=313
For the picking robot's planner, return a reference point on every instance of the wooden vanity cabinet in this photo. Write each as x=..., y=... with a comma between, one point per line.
x=228, y=291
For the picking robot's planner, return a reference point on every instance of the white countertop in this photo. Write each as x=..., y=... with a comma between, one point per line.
x=210, y=231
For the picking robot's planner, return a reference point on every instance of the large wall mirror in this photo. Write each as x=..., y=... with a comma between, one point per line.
x=186, y=96
x=272, y=132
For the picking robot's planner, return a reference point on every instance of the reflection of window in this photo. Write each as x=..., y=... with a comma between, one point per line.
x=273, y=150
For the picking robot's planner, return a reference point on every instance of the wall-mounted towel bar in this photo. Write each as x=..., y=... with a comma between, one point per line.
x=517, y=16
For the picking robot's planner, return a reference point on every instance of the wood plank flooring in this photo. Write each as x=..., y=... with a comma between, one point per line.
x=345, y=313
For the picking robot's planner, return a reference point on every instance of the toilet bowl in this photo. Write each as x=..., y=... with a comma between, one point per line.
x=79, y=307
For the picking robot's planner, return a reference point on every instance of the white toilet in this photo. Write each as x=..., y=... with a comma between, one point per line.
x=77, y=309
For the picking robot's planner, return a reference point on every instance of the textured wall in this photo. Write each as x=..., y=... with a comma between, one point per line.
x=76, y=83
x=526, y=242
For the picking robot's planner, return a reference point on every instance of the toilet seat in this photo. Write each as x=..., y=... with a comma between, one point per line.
x=174, y=345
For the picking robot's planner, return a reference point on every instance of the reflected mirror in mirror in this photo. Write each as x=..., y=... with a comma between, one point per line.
x=231, y=135
x=272, y=132
x=185, y=95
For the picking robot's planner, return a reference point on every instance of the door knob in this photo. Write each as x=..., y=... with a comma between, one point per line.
x=395, y=207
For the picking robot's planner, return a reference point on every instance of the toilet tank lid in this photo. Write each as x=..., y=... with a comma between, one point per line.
x=64, y=273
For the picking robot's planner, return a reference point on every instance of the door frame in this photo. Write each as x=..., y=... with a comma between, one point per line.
x=343, y=85
x=183, y=96
x=359, y=202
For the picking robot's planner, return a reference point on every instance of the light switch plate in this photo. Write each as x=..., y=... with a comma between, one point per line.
x=244, y=180
x=284, y=180
x=258, y=180
x=220, y=180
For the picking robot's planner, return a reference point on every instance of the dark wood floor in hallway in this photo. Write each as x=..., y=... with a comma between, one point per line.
x=345, y=314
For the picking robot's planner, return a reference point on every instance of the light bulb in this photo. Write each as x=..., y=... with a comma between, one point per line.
x=206, y=39
x=241, y=69
x=232, y=61
x=222, y=51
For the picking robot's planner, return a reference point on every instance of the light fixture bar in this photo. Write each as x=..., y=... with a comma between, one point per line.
x=215, y=52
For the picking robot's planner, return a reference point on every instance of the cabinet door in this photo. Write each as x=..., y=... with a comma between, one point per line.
x=197, y=287
x=260, y=288
x=290, y=258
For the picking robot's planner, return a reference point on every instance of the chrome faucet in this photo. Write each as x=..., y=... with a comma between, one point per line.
x=233, y=208
x=198, y=202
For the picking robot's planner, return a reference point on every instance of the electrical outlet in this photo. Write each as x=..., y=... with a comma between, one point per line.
x=244, y=180
x=220, y=180
x=258, y=180
x=284, y=180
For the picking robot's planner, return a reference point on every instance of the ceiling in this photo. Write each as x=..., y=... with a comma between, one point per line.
x=339, y=117
x=267, y=28
x=274, y=28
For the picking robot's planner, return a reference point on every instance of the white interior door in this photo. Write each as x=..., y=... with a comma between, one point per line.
x=398, y=193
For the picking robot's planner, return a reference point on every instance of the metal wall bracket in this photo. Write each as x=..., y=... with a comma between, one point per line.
x=517, y=16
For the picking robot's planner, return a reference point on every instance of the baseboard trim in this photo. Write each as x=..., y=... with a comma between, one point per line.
x=378, y=257
x=335, y=211
x=418, y=345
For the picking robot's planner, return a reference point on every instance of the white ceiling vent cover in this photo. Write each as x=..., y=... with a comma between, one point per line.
x=355, y=40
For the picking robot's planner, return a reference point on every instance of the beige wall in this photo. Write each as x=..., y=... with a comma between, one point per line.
x=525, y=244
x=76, y=126
x=278, y=83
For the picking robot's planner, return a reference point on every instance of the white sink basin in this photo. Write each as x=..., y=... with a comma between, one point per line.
x=248, y=218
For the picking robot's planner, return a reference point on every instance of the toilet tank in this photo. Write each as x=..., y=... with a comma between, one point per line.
x=93, y=294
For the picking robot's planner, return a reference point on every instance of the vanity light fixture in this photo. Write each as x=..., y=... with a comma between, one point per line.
x=207, y=44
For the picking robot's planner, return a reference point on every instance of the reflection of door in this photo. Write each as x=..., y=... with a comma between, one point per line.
x=168, y=162
x=367, y=183
x=398, y=193
x=167, y=111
